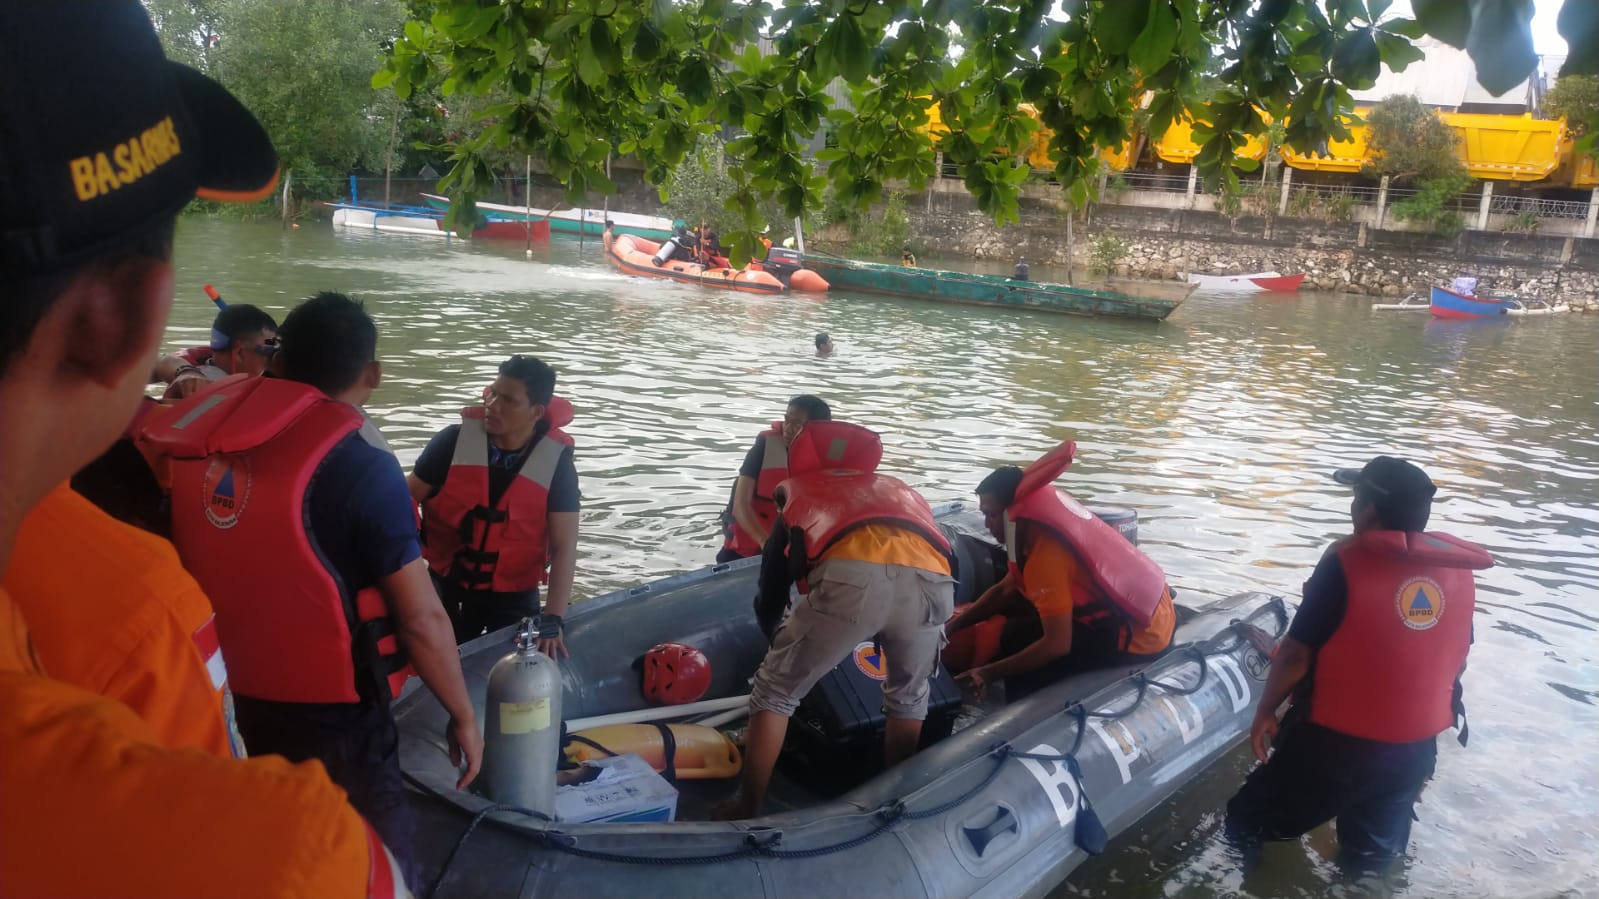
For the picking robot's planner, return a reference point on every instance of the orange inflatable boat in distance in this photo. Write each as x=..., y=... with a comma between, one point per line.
x=636, y=256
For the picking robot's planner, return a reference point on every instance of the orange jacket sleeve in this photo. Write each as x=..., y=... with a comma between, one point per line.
x=94, y=807
x=111, y=610
x=1050, y=576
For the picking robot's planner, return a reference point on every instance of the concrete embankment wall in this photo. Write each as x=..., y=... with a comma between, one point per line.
x=1348, y=256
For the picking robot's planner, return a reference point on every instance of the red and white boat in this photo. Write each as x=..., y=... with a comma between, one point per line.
x=1270, y=281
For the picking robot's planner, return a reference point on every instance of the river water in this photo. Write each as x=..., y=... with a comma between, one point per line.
x=1220, y=426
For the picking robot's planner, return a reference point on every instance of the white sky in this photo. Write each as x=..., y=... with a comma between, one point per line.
x=1546, y=39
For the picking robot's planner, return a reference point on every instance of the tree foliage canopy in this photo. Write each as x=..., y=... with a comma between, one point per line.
x=1577, y=98
x=590, y=76
x=1409, y=142
x=303, y=67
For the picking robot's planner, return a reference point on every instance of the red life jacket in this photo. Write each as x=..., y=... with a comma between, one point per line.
x=197, y=355
x=504, y=547
x=1129, y=581
x=243, y=456
x=1388, y=672
x=832, y=489
x=774, y=469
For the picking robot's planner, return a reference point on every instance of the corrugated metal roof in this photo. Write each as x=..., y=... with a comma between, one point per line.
x=1446, y=77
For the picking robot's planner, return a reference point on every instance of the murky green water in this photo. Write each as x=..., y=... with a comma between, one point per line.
x=1220, y=426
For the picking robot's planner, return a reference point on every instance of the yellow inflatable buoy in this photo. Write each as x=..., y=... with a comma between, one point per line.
x=682, y=751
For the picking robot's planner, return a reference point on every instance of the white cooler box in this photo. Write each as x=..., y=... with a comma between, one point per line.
x=626, y=790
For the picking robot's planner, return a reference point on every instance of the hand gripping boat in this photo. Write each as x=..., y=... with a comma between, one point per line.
x=1007, y=805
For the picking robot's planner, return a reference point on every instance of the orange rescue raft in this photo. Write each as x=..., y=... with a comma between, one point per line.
x=634, y=255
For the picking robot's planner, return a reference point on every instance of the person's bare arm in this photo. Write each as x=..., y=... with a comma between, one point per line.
x=1056, y=642
x=744, y=509
x=424, y=631
x=1288, y=667
x=166, y=368
x=563, y=567
x=420, y=489
x=991, y=603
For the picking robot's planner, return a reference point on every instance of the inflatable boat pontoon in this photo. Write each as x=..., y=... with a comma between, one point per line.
x=1006, y=806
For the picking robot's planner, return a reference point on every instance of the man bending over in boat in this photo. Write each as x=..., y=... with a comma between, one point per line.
x=747, y=521
x=1373, y=660
x=870, y=560
x=243, y=339
x=1078, y=596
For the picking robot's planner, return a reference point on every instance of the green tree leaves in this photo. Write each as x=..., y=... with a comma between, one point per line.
x=652, y=77
x=1576, y=97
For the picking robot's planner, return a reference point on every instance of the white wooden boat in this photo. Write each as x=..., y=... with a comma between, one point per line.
x=1245, y=283
x=1533, y=306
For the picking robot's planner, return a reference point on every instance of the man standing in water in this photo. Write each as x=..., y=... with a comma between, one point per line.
x=499, y=495
x=1373, y=661
x=95, y=162
x=751, y=510
x=871, y=561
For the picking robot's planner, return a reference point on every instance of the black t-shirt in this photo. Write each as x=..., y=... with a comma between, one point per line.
x=1325, y=598
x=433, y=466
x=753, y=459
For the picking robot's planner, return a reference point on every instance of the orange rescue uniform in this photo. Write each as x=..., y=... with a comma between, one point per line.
x=889, y=544
x=1053, y=576
x=92, y=805
x=111, y=610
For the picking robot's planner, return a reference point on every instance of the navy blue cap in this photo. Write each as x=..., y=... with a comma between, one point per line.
x=101, y=136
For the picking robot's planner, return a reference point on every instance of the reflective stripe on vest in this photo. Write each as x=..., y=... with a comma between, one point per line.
x=774, y=470
x=1388, y=672
x=242, y=467
x=826, y=506
x=505, y=547
x=1122, y=574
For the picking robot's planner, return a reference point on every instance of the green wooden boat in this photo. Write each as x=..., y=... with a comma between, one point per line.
x=990, y=290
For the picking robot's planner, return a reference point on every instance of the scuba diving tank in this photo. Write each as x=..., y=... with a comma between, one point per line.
x=522, y=726
x=664, y=254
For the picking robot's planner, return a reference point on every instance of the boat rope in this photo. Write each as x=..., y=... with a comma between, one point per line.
x=766, y=843
x=477, y=819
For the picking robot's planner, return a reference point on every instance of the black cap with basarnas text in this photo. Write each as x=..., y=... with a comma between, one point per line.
x=101, y=136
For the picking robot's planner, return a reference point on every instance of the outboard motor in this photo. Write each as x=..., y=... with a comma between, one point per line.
x=1123, y=519
x=665, y=253
x=522, y=726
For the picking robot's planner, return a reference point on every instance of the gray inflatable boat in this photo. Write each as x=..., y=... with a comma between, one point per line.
x=1006, y=805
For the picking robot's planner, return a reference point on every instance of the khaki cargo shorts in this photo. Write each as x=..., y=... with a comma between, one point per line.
x=850, y=601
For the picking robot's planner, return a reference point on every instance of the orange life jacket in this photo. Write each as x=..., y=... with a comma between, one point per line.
x=112, y=611
x=833, y=489
x=503, y=547
x=244, y=454
x=83, y=770
x=774, y=469
x=1125, y=579
x=1388, y=672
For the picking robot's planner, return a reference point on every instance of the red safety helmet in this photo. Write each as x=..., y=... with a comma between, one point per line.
x=675, y=673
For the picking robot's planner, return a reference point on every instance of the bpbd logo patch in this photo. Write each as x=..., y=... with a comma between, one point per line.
x=226, y=490
x=870, y=661
x=1420, y=602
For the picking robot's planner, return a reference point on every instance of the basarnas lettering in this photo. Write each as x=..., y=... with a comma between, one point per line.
x=95, y=176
